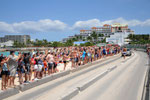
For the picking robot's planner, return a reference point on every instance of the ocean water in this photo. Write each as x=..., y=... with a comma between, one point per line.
x=7, y=53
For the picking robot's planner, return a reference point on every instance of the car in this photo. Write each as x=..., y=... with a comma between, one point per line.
x=127, y=53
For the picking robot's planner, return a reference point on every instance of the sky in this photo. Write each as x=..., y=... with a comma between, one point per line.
x=57, y=19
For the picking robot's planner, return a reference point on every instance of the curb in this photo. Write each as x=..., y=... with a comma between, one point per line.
x=112, y=68
x=44, y=80
x=77, y=69
x=81, y=87
x=70, y=94
x=8, y=93
x=85, y=85
x=60, y=74
x=28, y=86
x=91, y=81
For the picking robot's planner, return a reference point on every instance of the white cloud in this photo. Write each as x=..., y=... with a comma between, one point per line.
x=48, y=25
x=96, y=23
x=45, y=25
x=86, y=24
x=6, y=28
x=123, y=21
x=146, y=23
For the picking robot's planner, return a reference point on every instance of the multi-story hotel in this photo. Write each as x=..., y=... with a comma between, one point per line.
x=105, y=30
x=121, y=32
x=108, y=31
x=18, y=38
x=120, y=28
x=85, y=33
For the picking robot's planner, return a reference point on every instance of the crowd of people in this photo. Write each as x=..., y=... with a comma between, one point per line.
x=42, y=63
x=148, y=50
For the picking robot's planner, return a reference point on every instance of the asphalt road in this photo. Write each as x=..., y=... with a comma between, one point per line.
x=123, y=83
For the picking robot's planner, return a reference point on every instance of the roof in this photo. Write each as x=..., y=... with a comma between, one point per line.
x=94, y=28
x=119, y=25
x=84, y=30
x=106, y=25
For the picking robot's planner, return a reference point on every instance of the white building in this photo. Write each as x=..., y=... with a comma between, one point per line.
x=118, y=38
x=18, y=38
x=7, y=44
x=85, y=33
x=113, y=33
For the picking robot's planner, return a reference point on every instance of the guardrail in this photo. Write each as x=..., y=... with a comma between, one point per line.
x=140, y=46
x=146, y=87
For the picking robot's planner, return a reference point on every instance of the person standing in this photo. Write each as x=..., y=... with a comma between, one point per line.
x=56, y=61
x=104, y=52
x=12, y=63
x=32, y=63
x=124, y=52
x=27, y=66
x=65, y=57
x=45, y=66
x=50, y=60
x=83, y=56
x=1, y=57
x=40, y=68
x=72, y=58
x=21, y=70
x=4, y=70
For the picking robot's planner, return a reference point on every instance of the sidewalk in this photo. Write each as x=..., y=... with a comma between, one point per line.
x=60, y=68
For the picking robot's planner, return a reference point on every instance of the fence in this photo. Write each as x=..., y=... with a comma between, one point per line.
x=139, y=46
x=146, y=87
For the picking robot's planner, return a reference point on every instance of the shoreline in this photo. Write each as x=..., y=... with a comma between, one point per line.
x=25, y=49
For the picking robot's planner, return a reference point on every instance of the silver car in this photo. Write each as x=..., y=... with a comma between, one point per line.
x=127, y=53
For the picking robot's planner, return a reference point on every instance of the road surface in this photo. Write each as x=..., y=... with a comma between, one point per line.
x=123, y=83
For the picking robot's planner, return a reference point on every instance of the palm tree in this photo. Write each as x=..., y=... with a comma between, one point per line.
x=100, y=35
x=80, y=37
x=89, y=38
x=77, y=38
x=28, y=41
x=94, y=35
x=36, y=40
x=45, y=42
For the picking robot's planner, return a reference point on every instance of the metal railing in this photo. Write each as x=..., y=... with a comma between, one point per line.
x=140, y=46
x=146, y=87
